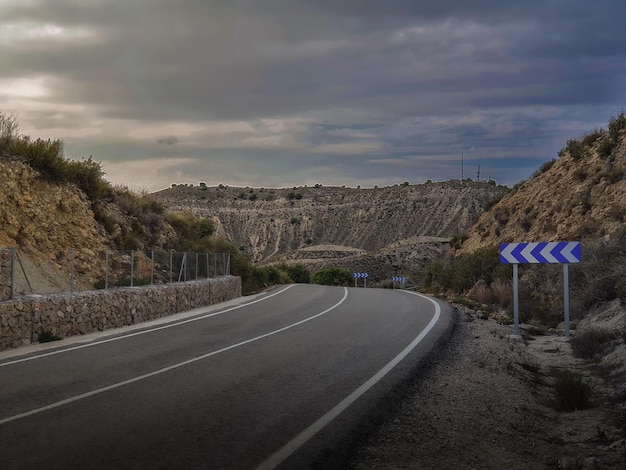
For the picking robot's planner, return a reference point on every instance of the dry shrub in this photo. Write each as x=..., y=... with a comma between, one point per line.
x=480, y=293
x=572, y=391
x=502, y=292
x=601, y=277
x=592, y=343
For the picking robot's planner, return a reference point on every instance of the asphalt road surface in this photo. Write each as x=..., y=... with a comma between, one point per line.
x=272, y=381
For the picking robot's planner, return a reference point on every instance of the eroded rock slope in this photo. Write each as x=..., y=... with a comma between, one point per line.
x=384, y=231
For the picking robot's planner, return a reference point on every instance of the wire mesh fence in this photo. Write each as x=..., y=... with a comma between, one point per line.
x=82, y=269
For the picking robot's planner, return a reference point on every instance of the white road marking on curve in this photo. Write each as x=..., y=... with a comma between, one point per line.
x=277, y=458
x=142, y=332
x=169, y=368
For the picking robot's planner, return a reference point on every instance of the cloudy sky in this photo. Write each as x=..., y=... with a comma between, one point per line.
x=279, y=93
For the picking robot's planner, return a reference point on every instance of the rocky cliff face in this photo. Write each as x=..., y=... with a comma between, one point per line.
x=385, y=231
x=576, y=197
x=46, y=221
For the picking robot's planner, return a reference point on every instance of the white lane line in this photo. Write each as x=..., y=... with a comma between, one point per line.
x=298, y=441
x=142, y=332
x=169, y=368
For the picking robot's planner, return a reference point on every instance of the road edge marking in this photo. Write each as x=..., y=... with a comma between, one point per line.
x=169, y=368
x=142, y=332
x=282, y=454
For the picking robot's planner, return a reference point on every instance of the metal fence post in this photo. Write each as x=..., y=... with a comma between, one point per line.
x=106, y=270
x=171, y=265
x=132, y=267
x=12, y=272
x=566, y=297
x=152, y=267
x=72, y=271
x=515, y=300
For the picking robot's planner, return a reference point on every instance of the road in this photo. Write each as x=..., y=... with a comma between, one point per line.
x=270, y=381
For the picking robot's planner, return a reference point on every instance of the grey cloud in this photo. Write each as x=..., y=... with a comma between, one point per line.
x=425, y=77
x=170, y=140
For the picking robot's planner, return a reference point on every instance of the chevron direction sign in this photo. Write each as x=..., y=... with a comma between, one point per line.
x=542, y=252
x=363, y=276
x=398, y=279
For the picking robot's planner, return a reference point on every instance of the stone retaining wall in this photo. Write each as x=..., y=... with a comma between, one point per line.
x=5, y=273
x=23, y=320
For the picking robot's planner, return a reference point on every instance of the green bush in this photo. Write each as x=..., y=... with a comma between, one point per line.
x=576, y=149
x=46, y=156
x=457, y=241
x=616, y=125
x=460, y=273
x=297, y=272
x=572, y=391
x=612, y=138
x=591, y=138
x=333, y=276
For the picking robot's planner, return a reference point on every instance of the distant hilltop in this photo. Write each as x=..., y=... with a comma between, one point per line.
x=386, y=230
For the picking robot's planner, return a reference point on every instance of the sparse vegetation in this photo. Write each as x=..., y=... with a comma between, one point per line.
x=544, y=167
x=459, y=274
x=333, y=276
x=592, y=343
x=572, y=391
x=47, y=157
x=575, y=148
x=457, y=241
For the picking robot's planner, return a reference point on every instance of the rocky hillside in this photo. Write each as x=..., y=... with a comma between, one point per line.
x=55, y=227
x=579, y=196
x=384, y=231
x=45, y=221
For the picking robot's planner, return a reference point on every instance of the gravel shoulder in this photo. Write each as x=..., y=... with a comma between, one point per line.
x=487, y=404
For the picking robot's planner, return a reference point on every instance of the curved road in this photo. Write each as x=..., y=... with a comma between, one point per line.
x=270, y=381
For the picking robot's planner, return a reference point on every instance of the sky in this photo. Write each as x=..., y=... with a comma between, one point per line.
x=282, y=93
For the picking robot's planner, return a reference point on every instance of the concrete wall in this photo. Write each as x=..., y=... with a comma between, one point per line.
x=23, y=320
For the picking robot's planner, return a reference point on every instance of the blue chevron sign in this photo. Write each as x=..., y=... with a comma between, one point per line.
x=360, y=275
x=398, y=278
x=542, y=252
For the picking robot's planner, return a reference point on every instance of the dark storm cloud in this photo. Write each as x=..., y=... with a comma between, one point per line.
x=317, y=82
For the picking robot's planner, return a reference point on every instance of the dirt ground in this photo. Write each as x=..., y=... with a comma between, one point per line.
x=487, y=404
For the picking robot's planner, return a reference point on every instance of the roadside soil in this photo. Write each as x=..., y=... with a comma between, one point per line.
x=487, y=403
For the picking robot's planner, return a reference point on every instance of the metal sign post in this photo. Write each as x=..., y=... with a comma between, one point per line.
x=535, y=253
x=356, y=276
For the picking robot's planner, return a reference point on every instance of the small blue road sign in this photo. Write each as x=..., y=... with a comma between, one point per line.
x=542, y=252
x=398, y=279
x=360, y=275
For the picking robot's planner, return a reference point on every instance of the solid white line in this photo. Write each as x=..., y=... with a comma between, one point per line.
x=142, y=332
x=298, y=441
x=169, y=368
